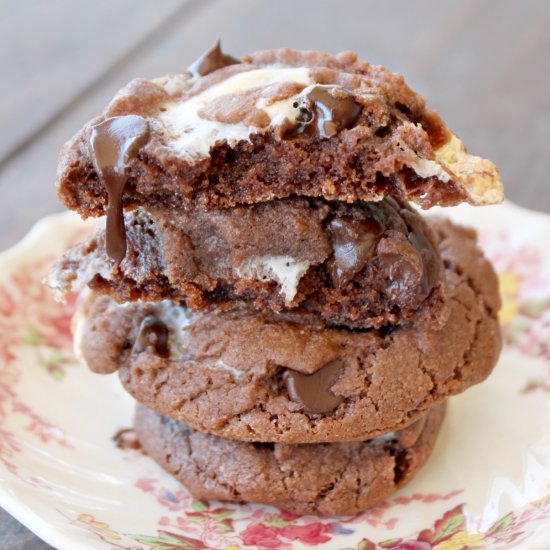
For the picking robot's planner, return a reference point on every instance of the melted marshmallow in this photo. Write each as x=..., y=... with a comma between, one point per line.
x=286, y=270
x=191, y=136
x=427, y=168
x=383, y=438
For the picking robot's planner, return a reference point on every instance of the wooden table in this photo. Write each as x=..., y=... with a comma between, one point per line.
x=483, y=65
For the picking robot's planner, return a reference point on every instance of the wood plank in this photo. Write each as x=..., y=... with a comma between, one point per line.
x=53, y=51
x=13, y=535
x=457, y=52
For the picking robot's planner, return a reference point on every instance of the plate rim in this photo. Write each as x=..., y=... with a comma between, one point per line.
x=55, y=535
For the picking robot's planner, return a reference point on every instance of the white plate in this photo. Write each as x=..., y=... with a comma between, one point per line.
x=486, y=485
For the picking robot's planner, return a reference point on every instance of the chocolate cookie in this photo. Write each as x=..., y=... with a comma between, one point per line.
x=280, y=123
x=287, y=378
x=321, y=478
x=359, y=266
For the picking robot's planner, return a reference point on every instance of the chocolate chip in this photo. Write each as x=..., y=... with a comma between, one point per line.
x=211, y=61
x=153, y=333
x=430, y=260
x=403, y=275
x=313, y=390
x=325, y=110
x=353, y=242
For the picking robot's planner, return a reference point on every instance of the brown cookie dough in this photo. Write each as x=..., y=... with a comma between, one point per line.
x=358, y=266
x=322, y=478
x=243, y=375
x=280, y=123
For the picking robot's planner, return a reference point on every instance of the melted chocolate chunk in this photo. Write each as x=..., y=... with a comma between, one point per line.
x=325, y=110
x=431, y=265
x=153, y=332
x=114, y=142
x=211, y=61
x=403, y=276
x=354, y=242
x=313, y=390
x=404, y=272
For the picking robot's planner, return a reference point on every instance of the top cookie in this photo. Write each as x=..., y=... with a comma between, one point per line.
x=276, y=124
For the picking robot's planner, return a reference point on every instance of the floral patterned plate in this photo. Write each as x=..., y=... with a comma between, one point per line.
x=487, y=484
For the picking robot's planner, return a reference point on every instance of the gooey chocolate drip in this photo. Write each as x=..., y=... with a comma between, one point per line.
x=313, y=390
x=354, y=243
x=326, y=110
x=211, y=61
x=153, y=333
x=114, y=142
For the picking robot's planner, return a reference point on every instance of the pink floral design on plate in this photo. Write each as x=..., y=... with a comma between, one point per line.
x=486, y=486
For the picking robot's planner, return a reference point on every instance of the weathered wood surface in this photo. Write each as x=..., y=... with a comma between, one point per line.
x=483, y=65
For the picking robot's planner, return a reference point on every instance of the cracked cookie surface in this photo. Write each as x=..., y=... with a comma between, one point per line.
x=321, y=478
x=227, y=374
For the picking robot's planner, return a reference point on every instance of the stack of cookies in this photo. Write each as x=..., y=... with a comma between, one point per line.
x=289, y=324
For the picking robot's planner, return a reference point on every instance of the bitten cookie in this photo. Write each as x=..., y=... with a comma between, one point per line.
x=280, y=123
x=360, y=266
x=287, y=378
x=321, y=478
